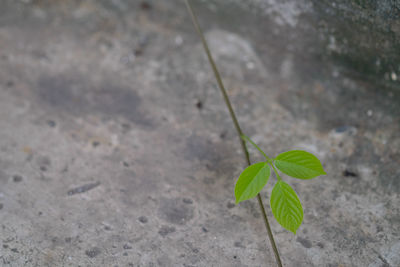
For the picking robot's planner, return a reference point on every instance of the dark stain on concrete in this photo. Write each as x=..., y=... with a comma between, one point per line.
x=60, y=92
x=187, y=201
x=210, y=153
x=145, y=5
x=93, y=252
x=238, y=244
x=17, y=178
x=10, y=84
x=362, y=23
x=95, y=143
x=175, y=211
x=230, y=205
x=74, y=95
x=198, y=147
x=118, y=101
x=165, y=230
x=51, y=123
x=305, y=242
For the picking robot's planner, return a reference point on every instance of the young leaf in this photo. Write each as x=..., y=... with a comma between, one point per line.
x=299, y=164
x=251, y=181
x=286, y=206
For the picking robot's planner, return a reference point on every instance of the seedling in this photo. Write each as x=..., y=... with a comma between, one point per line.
x=285, y=203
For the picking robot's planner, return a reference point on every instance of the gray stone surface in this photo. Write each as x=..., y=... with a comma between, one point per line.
x=116, y=148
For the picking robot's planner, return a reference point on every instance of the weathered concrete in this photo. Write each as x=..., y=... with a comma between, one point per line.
x=116, y=148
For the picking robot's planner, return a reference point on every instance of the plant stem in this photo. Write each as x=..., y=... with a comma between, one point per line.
x=235, y=122
x=269, y=231
x=257, y=147
x=276, y=171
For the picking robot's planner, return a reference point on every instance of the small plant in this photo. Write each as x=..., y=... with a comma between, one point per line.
x=284, y=201
x=285, y=204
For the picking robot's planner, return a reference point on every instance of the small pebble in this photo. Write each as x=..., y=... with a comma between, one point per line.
x=126, y=246
x=143, y=219
x=349, y=173
x=199, y=104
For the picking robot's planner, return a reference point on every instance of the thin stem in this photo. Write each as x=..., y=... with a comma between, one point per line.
x=235, y=122
x=219, y=80
x=246, y=138
x=269, y=231
x=276, y=171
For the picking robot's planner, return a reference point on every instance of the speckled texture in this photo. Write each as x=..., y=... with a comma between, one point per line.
x=116, y=148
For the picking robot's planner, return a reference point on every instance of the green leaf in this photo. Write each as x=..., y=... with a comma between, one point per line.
x=299, y=164
x=251, y=181
x=286, y=206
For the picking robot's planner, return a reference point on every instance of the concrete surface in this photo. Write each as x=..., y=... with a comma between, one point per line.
x=116, y=148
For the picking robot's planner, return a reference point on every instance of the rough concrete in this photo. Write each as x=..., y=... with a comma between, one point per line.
x=116, y=148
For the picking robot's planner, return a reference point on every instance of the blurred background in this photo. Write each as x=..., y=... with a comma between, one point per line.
x=116, y=148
